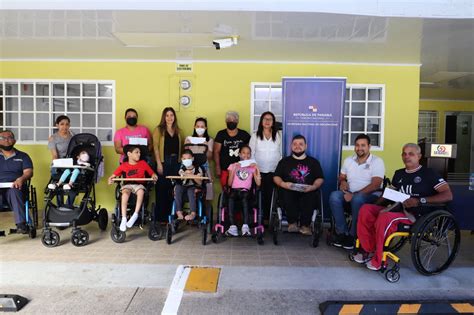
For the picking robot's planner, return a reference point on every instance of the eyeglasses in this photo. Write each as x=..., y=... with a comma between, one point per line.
x=7, y=138
x=268, y=119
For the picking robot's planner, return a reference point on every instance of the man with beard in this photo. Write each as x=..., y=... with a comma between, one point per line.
x=298, y=176
x=361, y=176
x=16, y=167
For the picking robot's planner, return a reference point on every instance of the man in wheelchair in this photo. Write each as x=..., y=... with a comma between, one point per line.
x=299, y=176
x=16, y=168
x=375, y=223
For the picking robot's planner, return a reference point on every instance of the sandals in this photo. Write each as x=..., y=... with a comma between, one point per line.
x=190, y=217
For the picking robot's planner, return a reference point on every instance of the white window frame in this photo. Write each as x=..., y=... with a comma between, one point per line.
x=436, y=126
x=380, y=147
x=51, y=128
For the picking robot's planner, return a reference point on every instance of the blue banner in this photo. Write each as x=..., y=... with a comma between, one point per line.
x=314, y=108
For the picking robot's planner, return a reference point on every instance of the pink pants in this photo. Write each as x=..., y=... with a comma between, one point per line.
x=373, y=228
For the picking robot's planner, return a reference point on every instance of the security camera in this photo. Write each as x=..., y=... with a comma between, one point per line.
x=224, y=42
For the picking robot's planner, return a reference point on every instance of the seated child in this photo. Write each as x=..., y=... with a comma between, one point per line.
x=133, y=168
x=240, y=183
x=187, y=186
x=82, y=159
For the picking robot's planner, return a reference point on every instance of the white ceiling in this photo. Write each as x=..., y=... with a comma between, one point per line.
x=444, y=47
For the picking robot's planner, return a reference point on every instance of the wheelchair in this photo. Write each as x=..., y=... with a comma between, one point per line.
x=279, y=223
x=31, y=209
x=434, y=243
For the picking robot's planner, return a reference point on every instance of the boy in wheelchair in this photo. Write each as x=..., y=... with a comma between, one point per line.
x=375, y=223
x=134, y=168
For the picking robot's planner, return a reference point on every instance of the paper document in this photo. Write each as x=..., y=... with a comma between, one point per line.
x=6, y=185
x=138, y=141
x=197, y=140
x=299, y=187
x=62, y=162
x=394, y=195
x=246, y=163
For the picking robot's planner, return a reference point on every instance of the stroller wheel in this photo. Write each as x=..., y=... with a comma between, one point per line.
x=32, y=231
x=169, y=233
x=50, y=238
x=79, y=238
x=155, y=232
x=117, y=235
x=103, y=219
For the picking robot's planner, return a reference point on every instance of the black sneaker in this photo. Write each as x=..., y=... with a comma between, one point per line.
x=348, y=242
x=338, y=240
x=21, y=228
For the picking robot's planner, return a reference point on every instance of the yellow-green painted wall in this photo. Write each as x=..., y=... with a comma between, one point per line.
x=220, y=87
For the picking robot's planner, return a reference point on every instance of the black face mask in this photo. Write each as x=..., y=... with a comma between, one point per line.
x=231, y=125
x=297, y=154
x=6, y=147
x=132, y=121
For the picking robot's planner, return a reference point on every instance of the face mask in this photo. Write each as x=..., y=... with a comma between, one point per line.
x=84, y=157
x=187, y=162
x=231, y=125
x=6, y=147
x=200, y=131
x=132, y=121
x=297, y=154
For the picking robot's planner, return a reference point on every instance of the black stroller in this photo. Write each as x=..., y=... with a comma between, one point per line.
x=60, y=215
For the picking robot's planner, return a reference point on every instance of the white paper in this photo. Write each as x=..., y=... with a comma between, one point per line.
x=299, y=187
x=246, y=163
x=138, y=141
x=63, y=162
x=6, y=185
x=394, y=195
x=197, y=140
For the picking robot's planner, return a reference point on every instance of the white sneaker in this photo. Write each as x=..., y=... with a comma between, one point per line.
x=362, y=258
x=232, y=231
x=245, y=230
x=371, y=267
x=67, y=187
x=123, y=224
x=52, y=186
x=132, y=220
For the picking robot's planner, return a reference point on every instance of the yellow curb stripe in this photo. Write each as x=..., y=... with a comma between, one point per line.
x=463, y=307
x=203, y=280
x=351, y=309
x=409, y=308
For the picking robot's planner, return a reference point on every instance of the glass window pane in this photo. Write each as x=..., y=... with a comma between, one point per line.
x=75, y=120
x=358, y=94
x=104, y=134
x=374, y=139
x=73, y=105
x=11, y=119
x=105, y=120
x=27, y=134
x=346, y=109
x=11, y=103
x=42, y=89
x=93, y=131
x=345, y=139
x=105, y=90
x=73, y=89
x=75, y=131
x=27, y=104
x=353, y=138
x=262, y=93
x=348, y=94
x=375, y=94
x=261, y=107
x=58, y=89
x=358, y=109
x=276, y=94
x=88, y=120
x=42, y=134
x=256, y=120
x=11, y=88
x=277, y=108
x=42, y=104
x=42, y=119
x=58, y=105
x=346, y=124
x=89, y=105
x=89, y=90
x=373, y=109
x=27, y=119
x=27, y=89
x=105, y=105
x=357, y=124
x=373, y=124
x=1, y=88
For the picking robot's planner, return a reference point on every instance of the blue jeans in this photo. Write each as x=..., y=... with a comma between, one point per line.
x=336, y=202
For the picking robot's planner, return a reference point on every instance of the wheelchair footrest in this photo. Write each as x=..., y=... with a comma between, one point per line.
x=2, y=233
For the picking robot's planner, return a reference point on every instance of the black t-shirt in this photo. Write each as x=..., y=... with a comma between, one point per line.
x=304, y=171
x=230, y=146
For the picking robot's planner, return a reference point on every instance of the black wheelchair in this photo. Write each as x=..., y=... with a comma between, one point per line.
x=434, y=239
x=30, y=208
x=279, y=223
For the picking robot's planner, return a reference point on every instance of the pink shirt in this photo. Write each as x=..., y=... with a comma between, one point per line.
x=124, y=134
x=243, y=177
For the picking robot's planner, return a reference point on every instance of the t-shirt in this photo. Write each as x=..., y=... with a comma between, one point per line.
x=134, y=171
x=243, y=176
x=360, y=175
x=60, y=144
x=197, y=171
x=304, y=171
x=421, y=182
x=124, y=134
x=12, y=167
x=230, y=146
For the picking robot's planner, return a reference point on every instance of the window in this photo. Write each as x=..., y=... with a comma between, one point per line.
x=428, y=126
x=363, y=110
x=30, y=108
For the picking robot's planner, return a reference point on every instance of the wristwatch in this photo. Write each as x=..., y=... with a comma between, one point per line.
x=422, y=201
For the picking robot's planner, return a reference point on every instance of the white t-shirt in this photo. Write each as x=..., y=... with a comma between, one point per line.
x=359, y=176
x=266, y=152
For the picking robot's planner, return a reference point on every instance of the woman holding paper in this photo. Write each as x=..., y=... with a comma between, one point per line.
x=59, y=141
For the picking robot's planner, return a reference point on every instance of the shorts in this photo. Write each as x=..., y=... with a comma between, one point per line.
x=132, y=187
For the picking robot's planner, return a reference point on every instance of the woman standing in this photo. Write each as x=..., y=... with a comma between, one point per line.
x=167, y=150
x=266, y=148
x=59, y=141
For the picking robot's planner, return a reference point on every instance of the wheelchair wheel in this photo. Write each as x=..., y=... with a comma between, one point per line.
x=169, y=233
x=216, y=237
x=204, y=234
x=102, y=219
x=260, y=240
x=155, y=232
x=435, y=242
x=32, y=231
x=392, y=275
x=117, y=235
x=79, y=238
x=50, y=238
x=317, y=228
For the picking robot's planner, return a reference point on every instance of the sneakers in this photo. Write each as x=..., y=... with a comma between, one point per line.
x=293, y=228
x=362, y=258
x=344, y=241
x=67, y=187
x=338, y=240
x=21, y=228
x=132, y=220
x=305, y=230
x=123, y=224
x=371, y=267
x=232, y=231
x=245, y=230
x=52, y=186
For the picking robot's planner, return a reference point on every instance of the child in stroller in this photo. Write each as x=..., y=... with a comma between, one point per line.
x=81, y=159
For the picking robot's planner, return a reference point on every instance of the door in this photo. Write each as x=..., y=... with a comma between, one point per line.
x=459, y=130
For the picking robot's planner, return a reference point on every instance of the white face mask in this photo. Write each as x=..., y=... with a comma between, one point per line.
x=187, y=162
x=84, y=157
x=200, y=131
